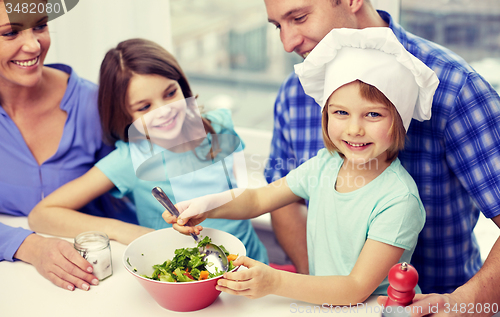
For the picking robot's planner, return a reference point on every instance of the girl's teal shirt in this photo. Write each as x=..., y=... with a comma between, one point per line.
x=388, y=209
x=136, y=168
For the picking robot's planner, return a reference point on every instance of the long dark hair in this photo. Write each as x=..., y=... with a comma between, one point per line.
x=134, y=56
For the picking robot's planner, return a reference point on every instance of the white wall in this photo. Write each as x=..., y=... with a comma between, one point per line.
x=391, y=6
x=82, y=36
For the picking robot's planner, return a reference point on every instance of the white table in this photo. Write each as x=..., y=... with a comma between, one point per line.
x=24, y=292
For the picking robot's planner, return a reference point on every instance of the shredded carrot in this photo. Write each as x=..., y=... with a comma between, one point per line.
x=203, y=275
x=232, y=257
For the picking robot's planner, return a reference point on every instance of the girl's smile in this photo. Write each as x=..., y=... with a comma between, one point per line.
x=167, y=125
x=357, y=146
x=360, y=129
x=157, y=106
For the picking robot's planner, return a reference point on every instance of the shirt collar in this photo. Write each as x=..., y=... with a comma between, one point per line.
x=396, y=28
x=2, y=112
x=71, y=85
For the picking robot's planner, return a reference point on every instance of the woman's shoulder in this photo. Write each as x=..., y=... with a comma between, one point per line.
x=79, y=94
x=65, y=73
x=55, y=83
x=58, y=72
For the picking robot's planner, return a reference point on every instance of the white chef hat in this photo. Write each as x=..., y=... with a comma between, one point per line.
x=373, y=56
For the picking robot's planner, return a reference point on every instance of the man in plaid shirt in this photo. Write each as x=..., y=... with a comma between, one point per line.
x=454, y=158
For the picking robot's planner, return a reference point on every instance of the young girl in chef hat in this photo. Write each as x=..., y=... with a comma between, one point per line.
x=364, y=213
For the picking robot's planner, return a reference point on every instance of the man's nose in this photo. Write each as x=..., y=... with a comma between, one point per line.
x=290, y=38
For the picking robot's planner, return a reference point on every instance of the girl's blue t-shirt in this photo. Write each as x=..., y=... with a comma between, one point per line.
x=136, y=168
x=388, y=209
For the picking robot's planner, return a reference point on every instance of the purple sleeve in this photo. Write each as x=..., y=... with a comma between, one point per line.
x=10, y=240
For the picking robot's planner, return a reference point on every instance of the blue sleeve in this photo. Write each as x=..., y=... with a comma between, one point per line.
x=118, y=168
x=299, y=178
x=222, y=123
x=220, y=119
x=473, y=143
x=10, y=240
x=399, y=222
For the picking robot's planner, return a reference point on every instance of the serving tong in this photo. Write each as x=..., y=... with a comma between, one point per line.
x=211, y=252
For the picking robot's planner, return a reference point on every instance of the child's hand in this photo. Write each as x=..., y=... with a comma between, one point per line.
x=259, y=280
x=190, y=210
x=194, y=210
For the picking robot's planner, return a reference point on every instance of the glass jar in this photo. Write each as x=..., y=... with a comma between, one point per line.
x=94, y=247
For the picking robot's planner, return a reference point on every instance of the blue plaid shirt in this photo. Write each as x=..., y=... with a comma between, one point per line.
x=454, y=158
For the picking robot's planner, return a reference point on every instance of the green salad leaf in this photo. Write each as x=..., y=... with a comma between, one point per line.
x=187, y=265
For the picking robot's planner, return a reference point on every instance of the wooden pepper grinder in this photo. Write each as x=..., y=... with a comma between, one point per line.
x=402, y=281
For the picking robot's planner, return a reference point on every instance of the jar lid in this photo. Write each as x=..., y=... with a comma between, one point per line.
x=91, y=241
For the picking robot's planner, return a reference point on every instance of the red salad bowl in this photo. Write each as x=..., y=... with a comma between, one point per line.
x=158, y=246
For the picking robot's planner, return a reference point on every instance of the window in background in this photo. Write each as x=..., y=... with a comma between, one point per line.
x=232, y=56
x=470, y=28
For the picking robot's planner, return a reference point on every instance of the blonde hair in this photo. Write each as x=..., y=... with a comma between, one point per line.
x=396, y=131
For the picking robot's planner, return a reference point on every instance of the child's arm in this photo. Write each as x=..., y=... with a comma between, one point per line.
x=238, y=203
x=57, y=214
x=373, y=265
